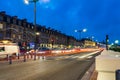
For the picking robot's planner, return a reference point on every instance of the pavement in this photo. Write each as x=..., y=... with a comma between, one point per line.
x=106, y=65
x=33, y=64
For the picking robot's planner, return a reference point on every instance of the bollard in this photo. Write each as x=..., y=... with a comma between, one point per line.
x=31, y=55
x=38, y=57
x=7, y=57
x=10, y=59
x=24, y=58
x=42, y=56
x=117, y=74
x=34, y=56
x=27, y=56
x=18, y=56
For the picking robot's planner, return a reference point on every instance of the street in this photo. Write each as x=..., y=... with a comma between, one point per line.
x=69, y=67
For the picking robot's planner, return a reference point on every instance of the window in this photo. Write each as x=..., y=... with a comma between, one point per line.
x=8, y=19
x=1, y=18
x=19, y=22
x=1, y=35
x=14, y=21
x=1, y=26
x=2, y=49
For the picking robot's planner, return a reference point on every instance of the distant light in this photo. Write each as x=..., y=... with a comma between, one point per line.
x=26, y=1
x=37, y=33
x=112, y=43
x=93, y=37
x=84, y=30
x=76, y=30
x=116, y=41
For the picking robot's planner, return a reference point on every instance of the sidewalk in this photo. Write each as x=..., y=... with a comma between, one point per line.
x=106, y=65
x=94, y=75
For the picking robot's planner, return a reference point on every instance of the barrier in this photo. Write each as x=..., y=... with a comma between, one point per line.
x=27, y=56
x=10, y=59
x=31, y=55
x=24, y=58
x=7, y=57
x=18, y=56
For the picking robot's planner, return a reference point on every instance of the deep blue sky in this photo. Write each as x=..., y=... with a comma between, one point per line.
x=100, y=17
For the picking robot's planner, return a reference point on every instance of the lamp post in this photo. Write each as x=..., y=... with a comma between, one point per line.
x=33, y=1
x=80, y=31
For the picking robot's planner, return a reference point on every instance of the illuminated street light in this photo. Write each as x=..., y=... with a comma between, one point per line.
x=80, y=31
x=26, y=1
x=84, y=30
x=116, y=41
x=112, y=43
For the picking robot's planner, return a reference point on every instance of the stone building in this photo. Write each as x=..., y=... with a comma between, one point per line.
x=22, y=32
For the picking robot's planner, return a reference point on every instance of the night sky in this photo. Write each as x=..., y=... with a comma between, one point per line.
x=99, y=17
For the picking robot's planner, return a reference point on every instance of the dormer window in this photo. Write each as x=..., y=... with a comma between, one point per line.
x=14, y=21
x=8, y=19
x=28, y=25
x=1, y=18
x=19, y=22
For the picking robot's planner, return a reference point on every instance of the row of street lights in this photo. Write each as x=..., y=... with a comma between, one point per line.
x=80, y=31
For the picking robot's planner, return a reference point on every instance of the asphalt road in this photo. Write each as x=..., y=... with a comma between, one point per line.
x=69, y=67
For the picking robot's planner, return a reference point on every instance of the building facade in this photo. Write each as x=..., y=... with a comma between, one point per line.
x=22, y=32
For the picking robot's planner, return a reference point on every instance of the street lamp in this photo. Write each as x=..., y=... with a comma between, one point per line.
x=33, y=1
x=80, y=31
x=92, y=38
x=116, y=41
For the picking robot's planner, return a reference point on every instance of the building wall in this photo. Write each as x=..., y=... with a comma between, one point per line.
x=20, y=31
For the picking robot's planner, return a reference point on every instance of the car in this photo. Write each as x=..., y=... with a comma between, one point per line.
x=43, y=51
